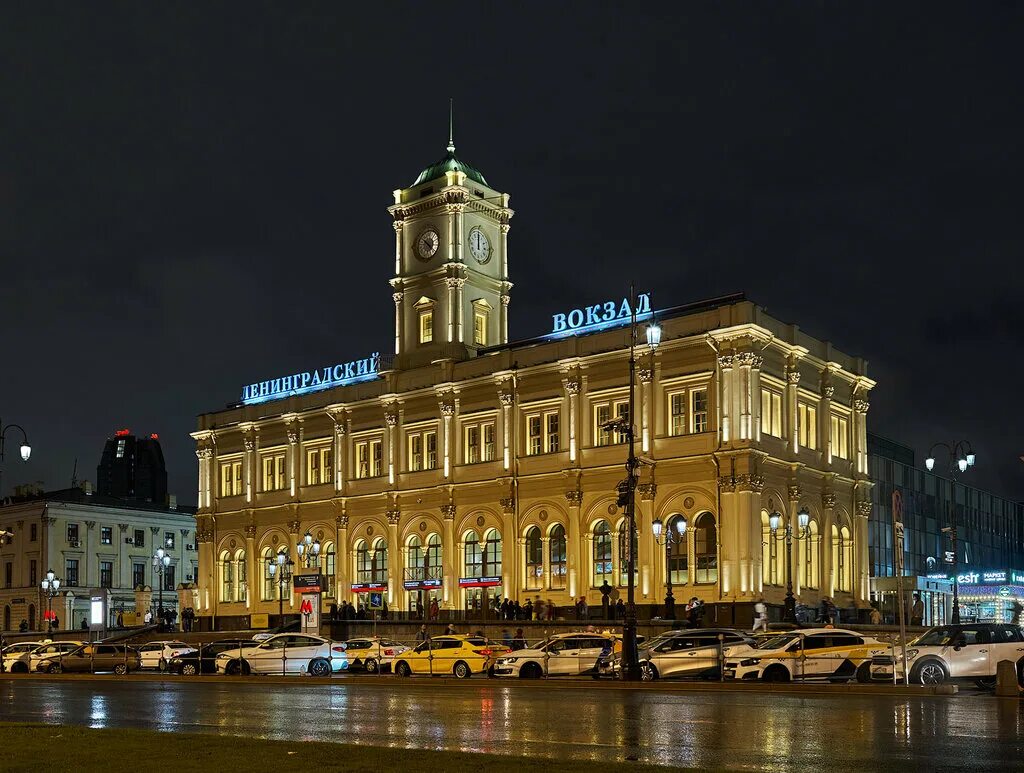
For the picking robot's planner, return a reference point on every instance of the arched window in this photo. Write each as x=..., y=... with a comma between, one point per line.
x=328, y=564
x=624, y=542
x=414, y=559
x=434, y=570
x=556, y=556
x=364, y=566
x=227, y=577
x=809, y=575
x=841, y=551
x=269, y=582
x=31, y=617
x=492, y=553
x=769, y=552
x=602, y=553
x=678, y=552
x=282, y=582
x=705, y=549
x=534, y=559
x=379, y=561
x=241, y=581
x=474, y=563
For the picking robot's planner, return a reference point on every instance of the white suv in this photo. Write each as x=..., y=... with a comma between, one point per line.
x=157, y=654
x=16, y=656
x=966, y=651
x=562, y=654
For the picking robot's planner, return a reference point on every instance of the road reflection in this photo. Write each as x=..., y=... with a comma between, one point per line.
x=740, y=731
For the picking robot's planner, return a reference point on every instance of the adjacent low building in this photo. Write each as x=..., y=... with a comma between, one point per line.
x=465, y=466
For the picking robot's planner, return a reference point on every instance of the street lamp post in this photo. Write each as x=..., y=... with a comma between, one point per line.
x=50, y=586
x=961, y=456
x=26, y=449
x=160, y=563
x=282, y=569
x=803, y=519
x=671, y=538
x=624, y=426
x=309, y=551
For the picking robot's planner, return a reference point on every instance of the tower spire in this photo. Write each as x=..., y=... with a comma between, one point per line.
x=451, y=125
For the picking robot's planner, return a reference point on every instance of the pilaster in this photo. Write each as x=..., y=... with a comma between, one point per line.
x=575, y=557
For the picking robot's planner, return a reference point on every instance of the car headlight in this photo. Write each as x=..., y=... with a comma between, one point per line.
x=507, y=661
x=750, y=662
x=911, y=654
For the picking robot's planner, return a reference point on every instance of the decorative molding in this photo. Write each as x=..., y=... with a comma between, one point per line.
x=506, y=300
x=90, y=525
x=647, y=491
x=861, y=406
x=447, y=408
x=750, y=482
x=508, y=505
x=455, y=283
x=391, y=415
x=572, y=385
x=448, y=511
x=397, y=297
x=123, y=527
x=646, y=375
x=154, y=530
x=204, y=535
x=792, y=376
x=506, y=398
x=394, y=516
x=725, y=361
x=864, y=508
x=727, y=484
x=827, y=391
x=748, y=359
x=794, y=493
x=294, y=526
x=574, y=497
x=341, y=521
x=828, y=499
x=250, y=531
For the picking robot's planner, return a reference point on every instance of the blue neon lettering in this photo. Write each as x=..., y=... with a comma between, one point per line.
x=339, y=372
x=316, y=378
x=643, y=303
x=609, y=311
x=624, y=310
x=559, y=320
x=593, y=313
x=362, y=367
x=350, y=372
x=575, y=318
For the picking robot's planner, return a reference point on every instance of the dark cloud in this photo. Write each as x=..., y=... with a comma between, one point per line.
x=194, y=196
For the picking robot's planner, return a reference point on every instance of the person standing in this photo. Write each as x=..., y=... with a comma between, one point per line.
x=917, y=611
x=519, y=640
x=760, y=616
x=421, y=635
x=620, y=610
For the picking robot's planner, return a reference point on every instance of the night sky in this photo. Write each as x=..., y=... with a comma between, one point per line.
x=193, y=196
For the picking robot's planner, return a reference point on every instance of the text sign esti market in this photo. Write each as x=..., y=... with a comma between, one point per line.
x=599, y=316
x=312, y=381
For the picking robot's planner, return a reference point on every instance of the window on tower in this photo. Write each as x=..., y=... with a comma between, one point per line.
x=480, y=328
x=426, y=326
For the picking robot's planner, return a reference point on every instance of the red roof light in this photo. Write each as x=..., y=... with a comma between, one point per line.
x=154, y=436
x=122, y=432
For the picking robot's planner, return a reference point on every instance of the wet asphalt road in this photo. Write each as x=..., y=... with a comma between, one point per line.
x=736, y=731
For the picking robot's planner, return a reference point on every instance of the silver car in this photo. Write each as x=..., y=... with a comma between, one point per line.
x=689, y=653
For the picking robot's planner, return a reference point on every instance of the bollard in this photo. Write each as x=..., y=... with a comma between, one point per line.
x=1006, y=680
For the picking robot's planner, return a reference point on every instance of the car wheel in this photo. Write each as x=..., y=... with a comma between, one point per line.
x=931, y=672
x=19, y=668
x=462, y=670
x=775, y=674
x=530, y=671
x=648, y=673
x=234, y=668
x=189, y=669
x=371, y=666
x=121, y=669
x=864, y=673
x=988, y=683
x=54, y=668
x=402, y=669
x=320, y=667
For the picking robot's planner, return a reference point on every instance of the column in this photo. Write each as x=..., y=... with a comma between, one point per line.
x=250, y=440
x=728, y=520
x=338, y=417
x=860, y=435
x=449, y=551
x=399, y=226
x=746, y=362
x=456, y=212
x=748, y=493
x=794, y=556
x=395, y=555
x=725, y=363
x=342, y=560
x=545, y=545
x=651, y=570
x=507, y=400
x=253, y=568
x=447, y=408
x=124, y=571
x=391, y=415
x=204, y=536
x=511, y=574
x=755, y=396
x=294, y=527
x=792, y=426
x=575, y=558
x=397, y=297
x=90, y=558
x=828, y=580
x=572, y=389
x=506, y=299
x=504, y=228
x=825, y=415
x=860, y=551
x=294, y=426
x=646, y=375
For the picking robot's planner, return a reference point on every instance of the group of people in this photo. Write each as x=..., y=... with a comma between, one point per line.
x=349, y=611
x=531, y=610
x=433, y=609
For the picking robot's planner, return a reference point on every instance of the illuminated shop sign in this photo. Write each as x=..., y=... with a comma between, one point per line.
x=479, y=582
x=312, y=380
x=369, y=587
x=307, y=583
x=599, y=316
x=421, y=584
x=983, y=578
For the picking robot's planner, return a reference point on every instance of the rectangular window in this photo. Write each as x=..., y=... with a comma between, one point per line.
x=422, y=450
x=369, y=456
x=33, y=576
x=542, y=433
x=138, y=574
x=688, y=411
x=33, y=532
x=71, y=572
x=677, y=413
x=426, y=326
x=699, y=409
x=771, y=413
x=106, y=574
x=8, y=574
x=840, y=437
x=318, y=465
x=140, y=538
x=807, y=418
x=169, y=582
x=551, y=439
x=72, y=532
x=120, y=448
x=273, y=472
x=106, y=535
x=480, y=327
x=479, y=441
x=169, y=540
x=231, y=479
x=603, y=413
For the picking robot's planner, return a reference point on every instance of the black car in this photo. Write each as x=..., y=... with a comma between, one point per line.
x=204, y=659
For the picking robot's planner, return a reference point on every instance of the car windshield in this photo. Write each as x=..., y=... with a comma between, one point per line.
x=778, y=642
x=940, y=637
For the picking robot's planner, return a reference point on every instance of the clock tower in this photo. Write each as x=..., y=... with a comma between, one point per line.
x=451, y=287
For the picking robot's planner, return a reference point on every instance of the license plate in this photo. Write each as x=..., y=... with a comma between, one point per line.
x=730, y=673
x=884, y=670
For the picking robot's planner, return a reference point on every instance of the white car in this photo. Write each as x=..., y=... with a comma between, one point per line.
x=16, y=656
x=372, y=653
x=54, y=649
x=286, y=653
x=157, y=654
x=830, y=654
x=562, y=654
x=965, y=651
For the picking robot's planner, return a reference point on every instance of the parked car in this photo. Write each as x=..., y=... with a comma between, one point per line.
x=286, y=653
x=830, y=654
x=373, y=653
x=47, y=651
x=689, y=653
x=968, y=650
x=561, y=654
x=456, y=654
x=119, y=658
x=16, y=656
x=204, y=659
x=157, y=654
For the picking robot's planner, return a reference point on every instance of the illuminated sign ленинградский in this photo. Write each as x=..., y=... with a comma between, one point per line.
x=312, y=381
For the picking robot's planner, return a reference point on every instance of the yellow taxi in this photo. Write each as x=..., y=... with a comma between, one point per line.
x=458, y=654
x=826, y=654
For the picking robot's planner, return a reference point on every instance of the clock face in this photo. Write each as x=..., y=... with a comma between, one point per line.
x=479, y=247
x=427, y=243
